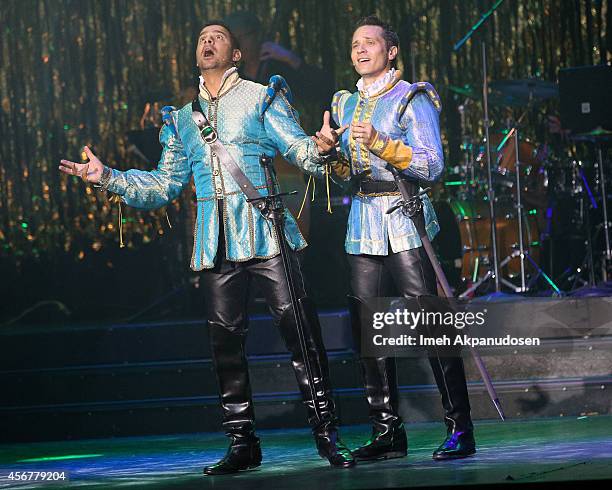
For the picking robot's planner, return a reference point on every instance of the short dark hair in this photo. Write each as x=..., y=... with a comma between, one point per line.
x=233, y=39
x=389, y=35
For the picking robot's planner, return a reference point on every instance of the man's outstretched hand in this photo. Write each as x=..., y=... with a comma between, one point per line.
x=274, y=51
x=326, y=138
x=89, y=172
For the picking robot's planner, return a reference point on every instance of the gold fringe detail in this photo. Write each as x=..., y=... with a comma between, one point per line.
x=379, y=194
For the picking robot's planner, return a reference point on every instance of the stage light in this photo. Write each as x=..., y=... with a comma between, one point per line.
x=59, y=458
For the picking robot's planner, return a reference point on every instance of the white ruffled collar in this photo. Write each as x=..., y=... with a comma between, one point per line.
x=378, y=85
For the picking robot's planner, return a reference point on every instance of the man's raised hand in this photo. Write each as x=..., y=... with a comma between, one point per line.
x=364, y=133
x=326, y=138
x=89, y=172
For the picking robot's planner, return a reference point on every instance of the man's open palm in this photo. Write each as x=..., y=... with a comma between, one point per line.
x=89, y=172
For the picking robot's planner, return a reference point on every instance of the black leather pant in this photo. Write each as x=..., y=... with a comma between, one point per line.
x=226, y=288
x=412, y=275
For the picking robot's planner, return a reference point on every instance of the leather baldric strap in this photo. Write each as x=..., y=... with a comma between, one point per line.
x=209, y=135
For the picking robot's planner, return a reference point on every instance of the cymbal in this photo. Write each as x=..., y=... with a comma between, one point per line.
x=495, y=98
x=466, y=90
x=596, y=134
x=526, y=88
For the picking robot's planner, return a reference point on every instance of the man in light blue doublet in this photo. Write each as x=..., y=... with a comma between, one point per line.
x=233, y=242
x=392, y=124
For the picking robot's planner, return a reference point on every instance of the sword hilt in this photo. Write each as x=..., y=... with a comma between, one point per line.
x=273, y=201
x=410, y=206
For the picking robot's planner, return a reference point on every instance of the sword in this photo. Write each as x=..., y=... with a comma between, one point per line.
x=412, y=206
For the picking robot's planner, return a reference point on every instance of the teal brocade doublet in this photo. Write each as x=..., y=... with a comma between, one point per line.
x=401, y=111
x=236, y=115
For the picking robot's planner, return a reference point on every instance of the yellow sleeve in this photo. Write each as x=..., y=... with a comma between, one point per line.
x=395, y=152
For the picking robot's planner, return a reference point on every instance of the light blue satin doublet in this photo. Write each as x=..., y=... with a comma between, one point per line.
x=236, y=116
x=410, y=113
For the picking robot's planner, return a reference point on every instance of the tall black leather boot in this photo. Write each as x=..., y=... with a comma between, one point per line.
x=388, y=438
x=243, y=453
x=449, y=373
x=317, y=397
x=230, y=362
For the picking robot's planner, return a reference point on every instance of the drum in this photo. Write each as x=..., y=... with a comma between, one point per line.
x=467, y=223
x=505, y=160
x=530, y=158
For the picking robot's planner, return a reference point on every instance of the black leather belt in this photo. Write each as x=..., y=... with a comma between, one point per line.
x=377, y=187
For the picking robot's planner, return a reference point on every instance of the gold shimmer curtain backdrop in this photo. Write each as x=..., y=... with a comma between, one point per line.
x=75, y=72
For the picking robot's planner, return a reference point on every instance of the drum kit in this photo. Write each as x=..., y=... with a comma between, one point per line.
x=544, y=197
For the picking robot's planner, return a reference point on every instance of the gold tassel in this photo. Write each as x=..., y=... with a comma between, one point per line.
x=314, y=187
x=310, y=178
x=114, y=198
x=121, y=244
x=329, y=208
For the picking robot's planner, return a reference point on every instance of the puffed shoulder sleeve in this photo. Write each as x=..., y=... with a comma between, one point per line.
x=418, y=152
x=337, y=105
x=282, y=125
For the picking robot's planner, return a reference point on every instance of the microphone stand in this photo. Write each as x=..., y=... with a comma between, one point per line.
x=485, y=99
x=274, y=212
x=604, y=205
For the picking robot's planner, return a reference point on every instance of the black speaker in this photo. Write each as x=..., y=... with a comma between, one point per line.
x=586, y=98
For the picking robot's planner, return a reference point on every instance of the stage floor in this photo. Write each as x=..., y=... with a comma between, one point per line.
x=519, y=451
